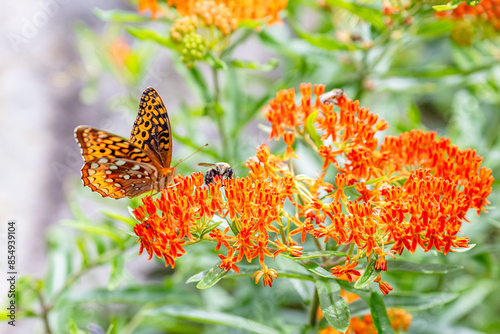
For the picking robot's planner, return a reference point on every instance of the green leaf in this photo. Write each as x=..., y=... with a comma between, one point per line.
x=254, y=65
x=319, y=40
x=369, y=275
x=333, y=306
x=314, y=268
x=421, y=268
x=213, y=276
x=148, y=34
x=209, y=317
x=129, y=220
x=379, y=314
x=97, y=229
x=411, y=301
x=314, y=254
x=116, y=277
x=450, y=5
x=371, y=15
x=311, y=130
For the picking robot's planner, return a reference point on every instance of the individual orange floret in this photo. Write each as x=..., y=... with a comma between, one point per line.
x=267, y=273
x=347, y=271
x=383, y=286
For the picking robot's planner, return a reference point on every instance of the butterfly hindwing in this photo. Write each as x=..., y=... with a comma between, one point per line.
x=118, y=177
x=151, y=131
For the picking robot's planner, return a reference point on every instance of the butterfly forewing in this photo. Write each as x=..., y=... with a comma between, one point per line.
x=151, y=131
x=97, y=143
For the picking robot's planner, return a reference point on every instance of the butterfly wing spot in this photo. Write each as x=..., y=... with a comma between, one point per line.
x=113, y=167
x=107, y=171
x=102, y=160
x=126, y=177
x=120, y=162
x=117, y=185
x=136, y=167
x=94, y=165
x=109, y=180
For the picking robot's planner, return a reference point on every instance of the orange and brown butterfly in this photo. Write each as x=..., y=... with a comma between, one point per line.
x=116, y=167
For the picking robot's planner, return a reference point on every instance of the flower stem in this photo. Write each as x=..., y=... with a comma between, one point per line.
x=313, y=312
x=218, y=115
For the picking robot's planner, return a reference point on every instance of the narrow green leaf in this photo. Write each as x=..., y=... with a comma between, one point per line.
x=369, y=275
x=209, y=317
x=333, y=306
x=213, y=276
x=311, y=130
x=314, y=268
x=254, y=65
x=97, y=229
x=148, y=34
x=450, y=5
x=313, y=255
x=371, y=15
x=129, y=220
x=319, y=40
x=117, y=267
x=410, y=301
x=379, y=314
x=421, y=268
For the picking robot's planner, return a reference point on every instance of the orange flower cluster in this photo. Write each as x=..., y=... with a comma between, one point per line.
x=184, y=213
x=486, y=10
x=412, y=191
x=240, y=10
x=441, y=182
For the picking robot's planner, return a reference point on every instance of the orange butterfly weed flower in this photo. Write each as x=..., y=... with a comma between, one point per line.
x=258, y=10
x=150, y=5
x=354, y=200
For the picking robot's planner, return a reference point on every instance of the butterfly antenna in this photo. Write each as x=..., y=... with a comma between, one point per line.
x=198, y=150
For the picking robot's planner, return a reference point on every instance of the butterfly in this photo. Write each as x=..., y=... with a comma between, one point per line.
x=116, y=167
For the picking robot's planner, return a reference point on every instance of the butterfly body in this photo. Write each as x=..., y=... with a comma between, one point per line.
x=116, y=167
